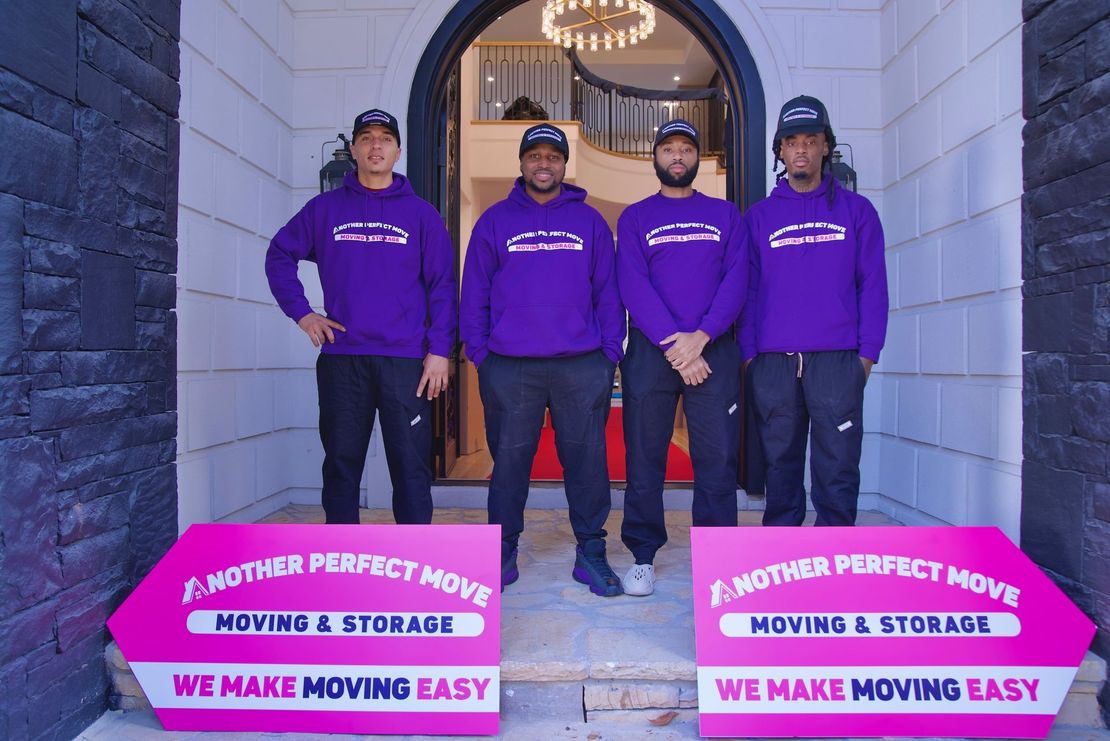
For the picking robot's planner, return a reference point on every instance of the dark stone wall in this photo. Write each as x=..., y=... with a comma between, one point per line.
x=1065, y=514
x=88, y=224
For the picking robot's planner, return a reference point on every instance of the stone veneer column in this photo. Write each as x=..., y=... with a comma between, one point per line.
x=1065, y=513
x=88, y=224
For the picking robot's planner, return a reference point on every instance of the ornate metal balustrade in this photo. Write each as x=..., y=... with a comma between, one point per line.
x=521, y=81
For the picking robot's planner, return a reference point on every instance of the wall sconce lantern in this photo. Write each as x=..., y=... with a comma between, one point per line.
x=331, y=174
x=842, y=171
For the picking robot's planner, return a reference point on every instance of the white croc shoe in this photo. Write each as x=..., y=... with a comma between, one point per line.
x=640, y=580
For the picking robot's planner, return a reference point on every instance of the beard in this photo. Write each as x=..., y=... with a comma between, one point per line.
x=803, y=174
x=539, y=188
x=676, y=181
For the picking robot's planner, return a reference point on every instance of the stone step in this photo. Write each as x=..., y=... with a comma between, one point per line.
x=642, y=693
x=582, y=698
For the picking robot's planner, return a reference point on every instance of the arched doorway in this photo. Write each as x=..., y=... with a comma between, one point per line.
x=433, y=131
x=428, y=100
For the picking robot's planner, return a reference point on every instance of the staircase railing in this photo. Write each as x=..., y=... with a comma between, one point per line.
x=542, y=81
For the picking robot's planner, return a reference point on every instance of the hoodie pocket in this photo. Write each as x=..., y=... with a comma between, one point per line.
x=540, y=330
x=384, y=321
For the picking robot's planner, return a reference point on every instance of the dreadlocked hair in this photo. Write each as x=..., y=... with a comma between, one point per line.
x=826, y=161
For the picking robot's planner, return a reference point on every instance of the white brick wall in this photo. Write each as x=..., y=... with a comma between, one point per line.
x=950, y=82
x=927, y=93
x=264, y=84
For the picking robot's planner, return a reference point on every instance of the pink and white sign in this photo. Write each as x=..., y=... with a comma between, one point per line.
x=321, y=629
x=899, y=631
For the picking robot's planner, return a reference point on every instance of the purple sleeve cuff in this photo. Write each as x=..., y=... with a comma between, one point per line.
x=477, y=354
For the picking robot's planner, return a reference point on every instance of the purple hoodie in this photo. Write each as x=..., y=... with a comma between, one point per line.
x=386, y=265
x=818, y=274
x=539, y=280
x=682, y=265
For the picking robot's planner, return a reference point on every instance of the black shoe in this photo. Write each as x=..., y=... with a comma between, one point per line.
x=592, y=569
x=509, y=572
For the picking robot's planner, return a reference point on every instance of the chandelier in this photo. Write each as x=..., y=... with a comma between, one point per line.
x=599, y=22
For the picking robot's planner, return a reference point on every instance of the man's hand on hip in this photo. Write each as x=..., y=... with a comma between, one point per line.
x=435, y=376
x=686, y=349
x=319, y=328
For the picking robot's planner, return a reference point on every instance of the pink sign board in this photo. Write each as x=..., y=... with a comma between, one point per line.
x=321, y=629
x=893, y=631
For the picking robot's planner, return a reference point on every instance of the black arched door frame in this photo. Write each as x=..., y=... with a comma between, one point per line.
x=427, y=123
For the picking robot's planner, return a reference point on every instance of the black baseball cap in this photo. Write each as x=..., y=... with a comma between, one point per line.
x=545, y=133
x=677, y=127
x=376, y=117
x=802, y=115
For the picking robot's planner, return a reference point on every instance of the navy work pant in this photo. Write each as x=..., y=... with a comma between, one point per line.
x=819, y=394
x=650, y=391
x=515, y=392
x=353, y=388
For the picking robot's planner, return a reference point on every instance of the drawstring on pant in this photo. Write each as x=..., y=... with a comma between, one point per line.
x=800, y=361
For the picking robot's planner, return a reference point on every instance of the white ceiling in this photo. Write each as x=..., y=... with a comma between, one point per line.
x=671, y=50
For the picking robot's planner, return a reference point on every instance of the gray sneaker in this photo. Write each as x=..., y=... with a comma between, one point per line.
x=640, y=580
x=592, y=569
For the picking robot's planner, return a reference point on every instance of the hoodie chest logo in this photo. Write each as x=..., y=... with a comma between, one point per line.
x=826, y=231
x=372, y=231
x=703, y=232
x=544, y=241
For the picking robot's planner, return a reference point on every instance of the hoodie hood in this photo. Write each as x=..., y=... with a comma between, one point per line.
x=398, y=188
x=375, y=200
x=782, y=189
x=567, y=194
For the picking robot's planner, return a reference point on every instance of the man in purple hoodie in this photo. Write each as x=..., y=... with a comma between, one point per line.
x=386, y=266
x=542, y=320
x=814, y=323
x=682, y=267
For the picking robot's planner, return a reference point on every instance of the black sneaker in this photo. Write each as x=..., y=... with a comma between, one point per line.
x=592, y=569
x=509, y=572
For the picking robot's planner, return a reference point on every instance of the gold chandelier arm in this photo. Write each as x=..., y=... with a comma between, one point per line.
x=583, y=24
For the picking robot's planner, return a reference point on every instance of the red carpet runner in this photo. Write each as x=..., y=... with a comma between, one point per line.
x=546, y=466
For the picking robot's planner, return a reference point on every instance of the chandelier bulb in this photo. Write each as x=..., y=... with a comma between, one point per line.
x=636, y=33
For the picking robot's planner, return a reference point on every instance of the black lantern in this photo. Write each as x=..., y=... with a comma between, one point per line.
x=842, y=171
x=331, y=174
